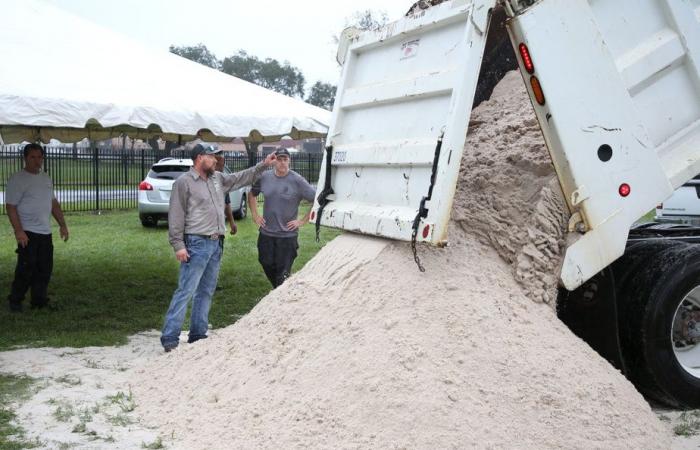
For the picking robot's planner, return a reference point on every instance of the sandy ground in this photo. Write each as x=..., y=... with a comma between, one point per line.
x=83, y=386
x=82, y=396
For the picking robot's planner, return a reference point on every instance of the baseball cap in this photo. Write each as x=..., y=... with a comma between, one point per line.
x=204, y=149
x=282, y=152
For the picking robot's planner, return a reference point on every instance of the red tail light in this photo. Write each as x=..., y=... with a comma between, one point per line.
x=145, y=186
x=660, y=206
x=624, y=189
x=527, y=60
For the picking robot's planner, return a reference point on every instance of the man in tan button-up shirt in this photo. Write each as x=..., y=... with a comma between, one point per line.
x=196, y=228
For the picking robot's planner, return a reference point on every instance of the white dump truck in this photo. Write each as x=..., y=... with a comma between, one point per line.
x=615, y=85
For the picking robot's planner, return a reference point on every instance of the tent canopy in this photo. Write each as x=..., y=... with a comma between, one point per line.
x=65, y=78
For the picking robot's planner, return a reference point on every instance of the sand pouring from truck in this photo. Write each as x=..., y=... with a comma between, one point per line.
x=615, y=87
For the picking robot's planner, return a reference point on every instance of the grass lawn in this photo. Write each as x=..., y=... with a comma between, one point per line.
x=114, y=278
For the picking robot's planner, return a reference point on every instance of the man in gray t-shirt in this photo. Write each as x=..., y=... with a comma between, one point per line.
x=283, y=190
x=30, y=203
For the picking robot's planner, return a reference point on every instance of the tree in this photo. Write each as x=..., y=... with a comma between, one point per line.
x=198, y=53
x=365, y=20
x=368, y=20
x=322, y=95
x=269, y=73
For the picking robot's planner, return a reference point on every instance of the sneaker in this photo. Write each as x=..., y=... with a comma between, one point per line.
x=169, y=348
x=193, y=339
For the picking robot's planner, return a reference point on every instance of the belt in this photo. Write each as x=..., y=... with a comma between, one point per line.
x=213, y=237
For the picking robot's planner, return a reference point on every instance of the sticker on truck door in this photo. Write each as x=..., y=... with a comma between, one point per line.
x=339, y=157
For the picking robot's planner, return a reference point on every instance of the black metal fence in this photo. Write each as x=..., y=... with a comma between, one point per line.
x=95, y=179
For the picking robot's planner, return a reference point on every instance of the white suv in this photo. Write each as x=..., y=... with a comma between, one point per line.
x=154, y=191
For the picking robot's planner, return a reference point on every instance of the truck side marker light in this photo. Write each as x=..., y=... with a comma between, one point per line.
x=537, y=90
x=313, y=215
x=605, y=152
x=525, y=56
x=624, y=190
x=426, y=231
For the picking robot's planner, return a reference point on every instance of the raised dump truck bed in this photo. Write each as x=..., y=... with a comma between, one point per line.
x=620, y=112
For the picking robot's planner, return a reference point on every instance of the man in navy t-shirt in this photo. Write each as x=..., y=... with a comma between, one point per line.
x=283, y=190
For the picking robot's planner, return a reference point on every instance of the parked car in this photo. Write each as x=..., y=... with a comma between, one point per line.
x=683, y=206
x=154, y=191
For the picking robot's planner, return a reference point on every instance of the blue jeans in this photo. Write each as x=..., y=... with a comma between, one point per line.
x=197, y=280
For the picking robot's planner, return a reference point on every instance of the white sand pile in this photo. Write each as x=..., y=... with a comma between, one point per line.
x=508, y=194
x=361, y=350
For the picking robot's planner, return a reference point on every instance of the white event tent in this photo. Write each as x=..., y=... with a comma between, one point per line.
x=66, y=78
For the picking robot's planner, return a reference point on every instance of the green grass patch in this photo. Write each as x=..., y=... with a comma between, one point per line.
x=689, y=423
x=13, y=389
x=125, y=402
x=70, y=380
x=158, y=443
x=64, y=412
x=114, y=278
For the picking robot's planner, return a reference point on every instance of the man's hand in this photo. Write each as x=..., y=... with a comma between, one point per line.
x=234, y=228
x=182, y=255
x=295, y=224
x=63, y=231
x=259, y=220
x=270, y=159
x=22, y=238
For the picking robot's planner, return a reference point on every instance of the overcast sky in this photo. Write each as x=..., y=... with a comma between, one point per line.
x=300, y=32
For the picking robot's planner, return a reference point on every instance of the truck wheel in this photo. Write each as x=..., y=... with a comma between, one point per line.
x=637, y=255
x=660, y=326
x=242, y=211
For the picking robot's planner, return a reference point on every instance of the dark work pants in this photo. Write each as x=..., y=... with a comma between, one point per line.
x=276, y=255
x=34, y=266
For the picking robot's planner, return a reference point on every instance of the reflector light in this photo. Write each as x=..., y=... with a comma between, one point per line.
x=525, y=56
x=625, y=189
x=145, y=186
x=313, y=215
x=537, y=90
x=426, y=231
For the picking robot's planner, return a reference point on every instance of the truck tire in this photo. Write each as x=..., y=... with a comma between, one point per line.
x=637, y=255
x=657, y=323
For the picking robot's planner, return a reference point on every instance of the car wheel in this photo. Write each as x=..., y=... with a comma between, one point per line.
x=148, y=221
x=241, y=212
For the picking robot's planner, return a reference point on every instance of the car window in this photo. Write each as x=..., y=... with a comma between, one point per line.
x=165, y=172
